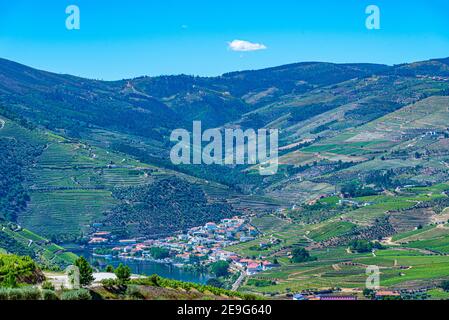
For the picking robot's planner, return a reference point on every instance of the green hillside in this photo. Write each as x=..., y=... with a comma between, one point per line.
x=69, y=185
x=363, y=175
x=15, y=239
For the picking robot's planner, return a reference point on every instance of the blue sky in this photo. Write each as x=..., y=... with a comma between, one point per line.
x=121, y=39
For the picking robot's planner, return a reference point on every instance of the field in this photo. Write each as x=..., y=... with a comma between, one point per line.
x=396, y=141
x=67, y=211
x=438, y=294
x=413, y=258
x=45, y=252
x=337, y=268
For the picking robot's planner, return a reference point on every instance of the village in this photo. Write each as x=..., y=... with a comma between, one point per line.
x=199, y=246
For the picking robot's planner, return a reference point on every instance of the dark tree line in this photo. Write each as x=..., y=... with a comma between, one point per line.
x=166, y=206
x=14, y=157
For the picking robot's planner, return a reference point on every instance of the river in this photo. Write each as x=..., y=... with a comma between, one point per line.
x=148, y=268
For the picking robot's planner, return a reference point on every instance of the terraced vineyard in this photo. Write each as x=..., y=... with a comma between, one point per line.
x=41, y=249
x=337, y=268
x=70, y=183
x=67, y=211
x=363, y=175
x=410, y=259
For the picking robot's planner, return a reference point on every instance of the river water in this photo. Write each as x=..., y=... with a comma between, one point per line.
x=148, y=268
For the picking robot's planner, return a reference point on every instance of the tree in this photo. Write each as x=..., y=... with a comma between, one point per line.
x=445, y=285
x=123, y=273
x=110, y=269
x=369, y=293
x=47, y=285
x=301, y=255
x=9, y=280
x=213, y=282
x=159, y=253
x=86, y=271
x=361, y=246
x=350, y=189
x=377, y=245
x=220, y=268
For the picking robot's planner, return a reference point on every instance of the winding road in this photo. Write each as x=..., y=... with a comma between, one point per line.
x=239, y=281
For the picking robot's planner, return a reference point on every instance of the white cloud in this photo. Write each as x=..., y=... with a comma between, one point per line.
x=242, y=45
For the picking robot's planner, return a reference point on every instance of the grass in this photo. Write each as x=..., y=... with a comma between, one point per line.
x=429, y=232
x=438, y=294
x=381, y=204
x=440, y=244
x=402, y=237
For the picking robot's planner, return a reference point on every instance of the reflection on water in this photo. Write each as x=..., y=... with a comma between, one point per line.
x=149, y=268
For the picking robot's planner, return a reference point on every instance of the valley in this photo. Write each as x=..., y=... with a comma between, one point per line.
x=362, y=180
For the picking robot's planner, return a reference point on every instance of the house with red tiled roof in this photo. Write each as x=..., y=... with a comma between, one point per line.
x=253, y=268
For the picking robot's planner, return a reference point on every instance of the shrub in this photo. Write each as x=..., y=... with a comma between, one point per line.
x=49, y=295
x=81, y=294
x=369, y=293
x=4, y=294
x=361, y=246
x=445, y=285
x=110, y=283
x=123, y=273
x=260, y=283
x=110, y=269
x=158, y=281
x=47, y=285
x=134, y=292
x=215, y=283
x=20, y=294
x=154, y=280
x=9, y=281
x=31, y=293
x=15, y=294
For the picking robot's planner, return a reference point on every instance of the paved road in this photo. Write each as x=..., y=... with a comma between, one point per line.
x=60, y=280
x=239, y=281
